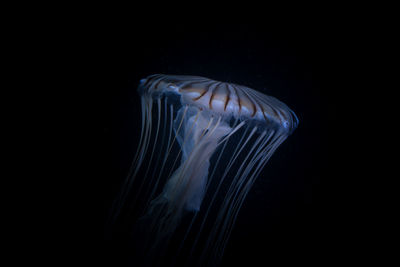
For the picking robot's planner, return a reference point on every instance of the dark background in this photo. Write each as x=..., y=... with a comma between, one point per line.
x=292, y=213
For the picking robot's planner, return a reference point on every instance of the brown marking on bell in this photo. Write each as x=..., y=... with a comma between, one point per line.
x=263, y=111
x=217, y=96
x=275, y=113
x=211, y=98
x=254, y=110
x=238, y=99
x=283, y=113
x=200, y=96
x=196, y=89
x=246, y=102
x=148, y=80
x=240, y=105
x=221, y=93
x=265, y=117
x=228, y=98
x=157, y=84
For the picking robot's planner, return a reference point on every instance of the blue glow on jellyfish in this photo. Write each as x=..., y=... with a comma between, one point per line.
x=202, y=145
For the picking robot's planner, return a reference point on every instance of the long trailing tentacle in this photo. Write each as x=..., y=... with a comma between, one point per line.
x=146, y=106
x=210, y=179
x=242, y=143
x=149, y=163
x=236, y=196
x=266, y=155
x=220, y=218
x=152, y=184
x=167, y=150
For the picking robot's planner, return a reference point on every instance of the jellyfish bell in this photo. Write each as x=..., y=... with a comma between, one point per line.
x=222, y=98
x=200, y=139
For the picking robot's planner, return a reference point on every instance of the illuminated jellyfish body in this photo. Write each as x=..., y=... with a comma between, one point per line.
x=202, y=145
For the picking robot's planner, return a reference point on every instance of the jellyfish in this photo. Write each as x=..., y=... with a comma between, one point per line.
x=202, y=145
